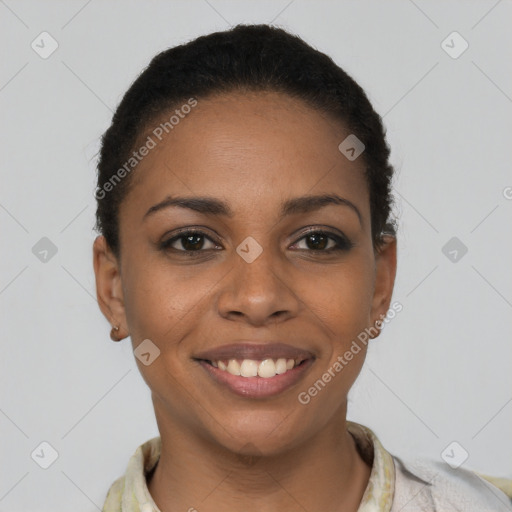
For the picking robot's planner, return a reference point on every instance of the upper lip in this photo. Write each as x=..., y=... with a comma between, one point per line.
x=254, y=351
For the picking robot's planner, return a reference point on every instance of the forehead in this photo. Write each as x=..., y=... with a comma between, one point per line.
x=247, y=148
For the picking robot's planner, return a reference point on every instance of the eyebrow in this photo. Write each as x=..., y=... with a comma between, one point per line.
x=212, y=206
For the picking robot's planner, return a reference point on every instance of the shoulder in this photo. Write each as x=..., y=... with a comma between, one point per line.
x=426, y=485
x=114, y=496
x=129, y=492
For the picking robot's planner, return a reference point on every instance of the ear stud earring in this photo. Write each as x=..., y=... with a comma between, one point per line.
x=113, y=333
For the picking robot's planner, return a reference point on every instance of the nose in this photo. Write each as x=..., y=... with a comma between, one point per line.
x=258, y=293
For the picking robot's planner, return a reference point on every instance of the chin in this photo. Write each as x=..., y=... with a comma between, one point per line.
x=258, y=434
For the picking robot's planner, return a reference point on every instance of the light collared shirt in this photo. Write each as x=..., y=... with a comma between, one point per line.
x=394, y=486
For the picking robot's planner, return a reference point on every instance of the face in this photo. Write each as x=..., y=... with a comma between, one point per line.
x=255, y=265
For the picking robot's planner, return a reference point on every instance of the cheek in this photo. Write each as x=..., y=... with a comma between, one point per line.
x=341, y=299
x=159, y=300
x=163, y=307
x=341, y=302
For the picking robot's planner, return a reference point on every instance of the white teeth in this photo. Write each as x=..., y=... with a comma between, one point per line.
x=267, y=368
x=281, y=366
x=233, y=367
x=251, y=368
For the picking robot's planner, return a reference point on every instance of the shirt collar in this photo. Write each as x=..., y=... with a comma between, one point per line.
x=130, y=493
x=380, y=490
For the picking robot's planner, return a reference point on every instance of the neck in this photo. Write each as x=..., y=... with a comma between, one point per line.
x=325, y=472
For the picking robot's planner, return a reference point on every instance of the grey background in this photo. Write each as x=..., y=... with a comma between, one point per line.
x=440, y=372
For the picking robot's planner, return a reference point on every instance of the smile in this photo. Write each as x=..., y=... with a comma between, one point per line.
x=266, y=369
x=244, y=382
x=256, y=371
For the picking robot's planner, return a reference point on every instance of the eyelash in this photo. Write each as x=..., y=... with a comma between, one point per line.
x=342, y=243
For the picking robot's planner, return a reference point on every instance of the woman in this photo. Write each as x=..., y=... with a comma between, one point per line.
x=244, y=198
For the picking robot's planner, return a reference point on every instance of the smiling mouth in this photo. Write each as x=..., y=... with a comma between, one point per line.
x=253, y=370
x=265, y=369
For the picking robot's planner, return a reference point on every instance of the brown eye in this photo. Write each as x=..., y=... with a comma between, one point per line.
x=317, y=241
x=323, y=241
x=189, y=241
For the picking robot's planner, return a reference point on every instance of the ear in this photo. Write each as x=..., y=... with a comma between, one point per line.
x=385, y=272
x=109, y=291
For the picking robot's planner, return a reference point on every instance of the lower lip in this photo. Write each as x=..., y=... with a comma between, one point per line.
x=258, y=387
